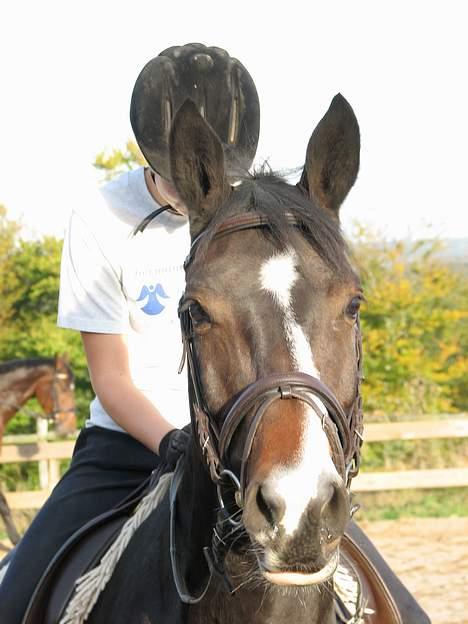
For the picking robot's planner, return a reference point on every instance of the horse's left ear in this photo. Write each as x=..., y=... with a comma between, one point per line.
x=332, y=159
x=197, y=166
x=60, y=359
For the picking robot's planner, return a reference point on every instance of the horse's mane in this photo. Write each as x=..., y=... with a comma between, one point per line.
x=268, y=193
x=11, y=365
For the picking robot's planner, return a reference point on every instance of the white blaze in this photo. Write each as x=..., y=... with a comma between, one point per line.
x=278, y=276
x=299, y=484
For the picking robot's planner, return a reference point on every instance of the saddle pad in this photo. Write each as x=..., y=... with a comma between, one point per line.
x=78, y=555
x=52, y=596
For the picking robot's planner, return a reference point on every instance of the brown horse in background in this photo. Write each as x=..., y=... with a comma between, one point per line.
x=51, y=382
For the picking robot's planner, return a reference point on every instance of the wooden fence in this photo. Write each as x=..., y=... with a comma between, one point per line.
x=49, y=453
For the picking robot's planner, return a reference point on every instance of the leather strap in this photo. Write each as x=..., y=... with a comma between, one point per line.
x=179, y=579
x=375, y=591
x=284, y=386
x=236, y=223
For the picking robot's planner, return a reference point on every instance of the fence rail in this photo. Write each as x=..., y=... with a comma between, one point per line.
x=50, y=453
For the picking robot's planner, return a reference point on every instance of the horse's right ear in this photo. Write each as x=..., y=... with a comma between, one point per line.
x=197, y=166
x=332, y=159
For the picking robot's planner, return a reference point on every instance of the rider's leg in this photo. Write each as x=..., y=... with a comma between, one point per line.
x=106, y=467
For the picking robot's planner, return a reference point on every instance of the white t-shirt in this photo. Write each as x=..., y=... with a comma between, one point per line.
x=115, y=282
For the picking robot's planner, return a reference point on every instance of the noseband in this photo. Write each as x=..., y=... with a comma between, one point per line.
x=344, y=431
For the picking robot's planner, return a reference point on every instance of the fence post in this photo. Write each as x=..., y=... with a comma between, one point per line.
x=54, y=473
x=42, y=426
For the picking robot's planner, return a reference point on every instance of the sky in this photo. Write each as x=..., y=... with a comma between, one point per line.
x=67, y=70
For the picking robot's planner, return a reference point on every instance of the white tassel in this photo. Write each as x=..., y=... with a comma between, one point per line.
x=89, y=587
x=347, y=588
x=3, y=572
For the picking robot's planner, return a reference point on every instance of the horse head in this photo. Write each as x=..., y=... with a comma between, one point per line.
x=55, y=391
x=270, y=318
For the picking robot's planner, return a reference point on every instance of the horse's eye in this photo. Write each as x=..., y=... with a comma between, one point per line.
x=352, y=310
x=200, y=319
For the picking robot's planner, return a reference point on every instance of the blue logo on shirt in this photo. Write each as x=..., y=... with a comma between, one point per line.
x=151, y=293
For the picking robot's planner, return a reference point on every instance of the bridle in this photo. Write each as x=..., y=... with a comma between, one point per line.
x=261, y=393
x=56, y=409
x=344, y=430
x=51, y=415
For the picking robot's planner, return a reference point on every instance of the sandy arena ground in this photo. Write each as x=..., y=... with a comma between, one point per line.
x=430, y=556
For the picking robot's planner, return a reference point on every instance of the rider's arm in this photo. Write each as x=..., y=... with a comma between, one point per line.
x=109, y=370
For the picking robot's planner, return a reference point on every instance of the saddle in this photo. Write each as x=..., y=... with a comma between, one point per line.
x=78, y=555
x=383, y=599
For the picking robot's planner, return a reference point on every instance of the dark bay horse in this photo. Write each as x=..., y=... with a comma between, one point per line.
x=51, y=382
x=251, y=527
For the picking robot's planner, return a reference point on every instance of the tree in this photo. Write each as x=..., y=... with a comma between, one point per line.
x=9, y=231
x=119, y=160
x=415, y=328
x=29, y=284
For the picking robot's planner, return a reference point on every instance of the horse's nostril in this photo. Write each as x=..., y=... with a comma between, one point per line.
x=270, y=504
x=334, y=511
x=330, y=498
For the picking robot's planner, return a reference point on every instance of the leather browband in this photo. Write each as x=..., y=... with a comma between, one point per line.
x=237, y=223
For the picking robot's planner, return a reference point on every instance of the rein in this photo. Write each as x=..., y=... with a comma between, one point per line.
x=344, y=430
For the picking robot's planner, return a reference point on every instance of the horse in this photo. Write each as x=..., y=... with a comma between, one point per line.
x=251, y=526
x=51, y=382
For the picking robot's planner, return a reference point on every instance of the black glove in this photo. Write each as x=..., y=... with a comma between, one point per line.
x=172, y=446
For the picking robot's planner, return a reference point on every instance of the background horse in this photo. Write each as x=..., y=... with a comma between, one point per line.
x=51, y=382
x=252, y=524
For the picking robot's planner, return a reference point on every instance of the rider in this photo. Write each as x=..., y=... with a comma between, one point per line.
x=121, y=280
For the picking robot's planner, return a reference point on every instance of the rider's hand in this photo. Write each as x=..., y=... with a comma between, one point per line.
x=172, y=446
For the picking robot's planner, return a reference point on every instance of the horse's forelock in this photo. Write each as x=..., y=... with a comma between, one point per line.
x=269, y=194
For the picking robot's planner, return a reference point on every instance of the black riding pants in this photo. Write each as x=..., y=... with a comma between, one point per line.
x=106, y=467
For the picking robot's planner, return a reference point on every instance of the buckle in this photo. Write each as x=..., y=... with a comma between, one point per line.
x=286, y=392
x=238, y=495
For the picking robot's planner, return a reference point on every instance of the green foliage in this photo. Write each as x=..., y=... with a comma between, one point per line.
x=119, y=160
x=19, y=477
x=414, y=454
x=440, y=503
x=8, y=236
x=415, y=329
x=29, y=283
x=32, y=273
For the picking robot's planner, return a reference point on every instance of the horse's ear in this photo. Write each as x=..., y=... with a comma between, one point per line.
x=61, y=359
x=197, y=165
x=332, y=159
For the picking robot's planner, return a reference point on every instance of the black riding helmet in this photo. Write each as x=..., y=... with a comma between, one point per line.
x=222, y=90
